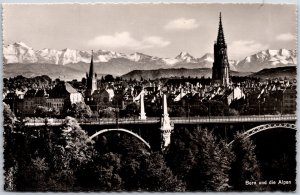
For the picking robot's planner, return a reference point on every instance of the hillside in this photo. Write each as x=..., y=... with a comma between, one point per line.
x=279, y=72
x=31, y=70
x=173, y=72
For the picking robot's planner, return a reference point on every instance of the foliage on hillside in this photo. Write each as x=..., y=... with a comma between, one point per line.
x=65, y=159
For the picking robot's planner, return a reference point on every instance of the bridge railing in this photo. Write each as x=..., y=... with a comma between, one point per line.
x=242, y=118
x=131, y=120
x=150, y=120
x=128, y=120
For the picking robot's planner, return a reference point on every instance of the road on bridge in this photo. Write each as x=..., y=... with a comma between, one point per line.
x=175, y=120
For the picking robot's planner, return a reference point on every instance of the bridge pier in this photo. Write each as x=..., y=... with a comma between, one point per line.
x=142, y=114
x=166, y=128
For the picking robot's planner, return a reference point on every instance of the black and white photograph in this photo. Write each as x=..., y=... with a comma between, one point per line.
x=149, y=97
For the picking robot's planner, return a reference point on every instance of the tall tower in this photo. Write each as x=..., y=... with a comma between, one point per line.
x=91, y=79
x=220, y=71
x=142, y=114
x=166, y=128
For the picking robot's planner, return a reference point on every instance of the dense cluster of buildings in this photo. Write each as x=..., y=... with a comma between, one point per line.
x=26, y=102
x=248, y=97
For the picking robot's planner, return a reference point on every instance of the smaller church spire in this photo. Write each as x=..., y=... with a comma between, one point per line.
x=91, y=73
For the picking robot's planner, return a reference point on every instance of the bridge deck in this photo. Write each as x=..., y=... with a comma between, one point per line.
x=175, y=120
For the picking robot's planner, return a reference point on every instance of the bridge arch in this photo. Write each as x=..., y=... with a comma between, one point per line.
x=121, y=130
x=265, y=127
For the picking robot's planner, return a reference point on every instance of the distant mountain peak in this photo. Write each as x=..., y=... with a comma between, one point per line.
x=67, y=49
x=139, y=53
x=184, y=55
x=135, y=56
x=269, y=58
x=208, y=57
x=21, y=44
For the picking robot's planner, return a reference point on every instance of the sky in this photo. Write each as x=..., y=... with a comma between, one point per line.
x=162, y=30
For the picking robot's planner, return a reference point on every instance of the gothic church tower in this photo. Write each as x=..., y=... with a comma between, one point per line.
x=220, y=71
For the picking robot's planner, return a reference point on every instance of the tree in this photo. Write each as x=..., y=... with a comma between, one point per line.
x=37, y=169
x=40, y=160
x=9, y=116
x=9, y=183
x=101, y=173
x=245, y=166
x=79, y=110
x=211, y=172
x=118, y=79
x=181, y=153
x=41, y=111
x=199, y=110
x=233, y=112
x=217, y=108
x=83, y=81
x=109, y=78
x=132, y=109
x=108, y=172
x=10, y=166
x=107, y=113
x=157, y=177
x=62, y=176
x=54, y=112
x=72, y=152
x=18, y=153
x=177, y=111
x=76, y=142
x=200, y=160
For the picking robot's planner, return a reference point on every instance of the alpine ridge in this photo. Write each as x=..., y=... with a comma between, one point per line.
x=120, y=63
x=22, y=54
x=267, y=59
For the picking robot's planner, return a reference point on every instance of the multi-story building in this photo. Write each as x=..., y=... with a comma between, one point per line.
x=61, y=94
x=289, y=103
x=32, y=99
x=55, y=98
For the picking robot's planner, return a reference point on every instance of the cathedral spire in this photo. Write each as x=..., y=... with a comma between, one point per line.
x=91, y=73
x=220, y=70
x=220, y=39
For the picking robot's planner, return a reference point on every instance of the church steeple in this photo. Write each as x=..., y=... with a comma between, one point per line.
x=220, y=70
x=91, y=73
x=91, y=80
x=220, y=39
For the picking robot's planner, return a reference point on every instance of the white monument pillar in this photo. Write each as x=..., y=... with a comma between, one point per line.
x=166, y=128
x=142, y=114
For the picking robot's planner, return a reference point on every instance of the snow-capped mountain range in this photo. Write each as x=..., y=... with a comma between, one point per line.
x=268, y=59
x=20, y=53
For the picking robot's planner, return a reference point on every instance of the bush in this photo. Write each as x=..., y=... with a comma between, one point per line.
x=107, y=113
